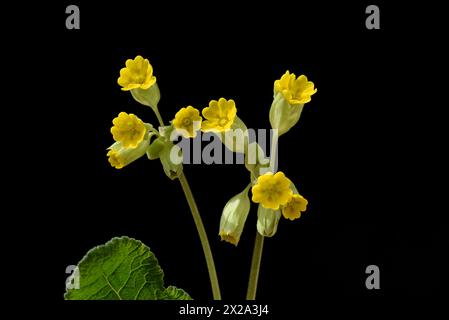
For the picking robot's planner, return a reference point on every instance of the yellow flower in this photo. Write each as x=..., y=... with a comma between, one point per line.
x=219, y=115
x=188, y=121
x=115, y=160
x=120, y=156
x=295, y=91
x=128, y=129
x=292, y=210
x=137, y=74
x=272, y=190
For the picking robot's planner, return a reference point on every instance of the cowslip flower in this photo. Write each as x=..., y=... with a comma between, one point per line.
x=120, y=156
x=290, y=95
x=188, y=121
x=234, y=217
x=272, y=190
x=220, y=115
x=128, y=129
x=138, y=73
x=292, y=210
x=137, y=77
x=295, y=90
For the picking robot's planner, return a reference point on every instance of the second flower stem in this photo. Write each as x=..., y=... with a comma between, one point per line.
x=255, y=267
x=203, y=237
x=199, y=226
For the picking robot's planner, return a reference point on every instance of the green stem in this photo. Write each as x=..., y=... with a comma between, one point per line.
x=203, y=237
x=199, y=226
x=158, y=115
x=255, y=267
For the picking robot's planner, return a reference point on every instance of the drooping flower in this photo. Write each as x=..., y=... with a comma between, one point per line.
x=138, y=73
x=295, y=90
x=188, y=121
x=120, y=156
x=115, y=159
x=128, y=129
x=292, y=210
x=219, y=115
x=234, y=217
x=272, y=190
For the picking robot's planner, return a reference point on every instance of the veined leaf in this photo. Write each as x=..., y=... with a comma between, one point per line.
x=122, y=269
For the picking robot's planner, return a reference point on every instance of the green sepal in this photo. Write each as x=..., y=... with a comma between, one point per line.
x=155, y=148
x=172, y=167
x=283, y=116
x=267, y=221
x=148, y=97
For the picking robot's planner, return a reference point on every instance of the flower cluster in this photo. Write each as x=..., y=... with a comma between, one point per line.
x=274, y=193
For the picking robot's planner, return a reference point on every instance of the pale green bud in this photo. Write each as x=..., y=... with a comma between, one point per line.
x=267, y=221
x=234, y=217
x=171, y=159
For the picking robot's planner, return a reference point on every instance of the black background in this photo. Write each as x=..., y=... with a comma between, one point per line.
x=357, y=154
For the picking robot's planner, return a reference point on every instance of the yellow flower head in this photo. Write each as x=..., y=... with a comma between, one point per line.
x=115, y=159
x=137, y=74
x=292, y=210
x=188, y=121
x=120, y=156
x=128, y=129
x=295, y=91
x=219, y=115
x=272, y=190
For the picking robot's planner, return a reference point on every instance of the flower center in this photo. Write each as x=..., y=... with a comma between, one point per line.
x=223, y=121
x=139, y=78
x=272, y=190
x=186, y=122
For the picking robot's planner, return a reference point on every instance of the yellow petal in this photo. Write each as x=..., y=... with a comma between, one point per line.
x=148, y=82
x=211, y=111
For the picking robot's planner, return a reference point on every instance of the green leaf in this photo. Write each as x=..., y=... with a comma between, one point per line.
x=173, y=293
x=121, y=269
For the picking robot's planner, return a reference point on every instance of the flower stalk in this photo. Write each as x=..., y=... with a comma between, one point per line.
x=255, y=267
x=199, y=227
x=203, y=237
